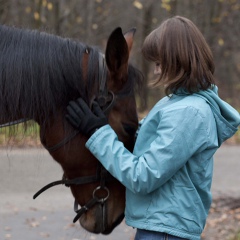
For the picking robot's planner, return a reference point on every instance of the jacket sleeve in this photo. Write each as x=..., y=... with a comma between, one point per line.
x=180, y=134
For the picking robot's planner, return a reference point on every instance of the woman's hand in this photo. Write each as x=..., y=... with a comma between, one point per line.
x=82, y=118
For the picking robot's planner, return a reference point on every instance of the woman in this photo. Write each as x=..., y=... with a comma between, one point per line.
x=169, y=174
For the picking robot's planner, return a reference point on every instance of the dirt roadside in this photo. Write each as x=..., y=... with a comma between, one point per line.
x=223, y=222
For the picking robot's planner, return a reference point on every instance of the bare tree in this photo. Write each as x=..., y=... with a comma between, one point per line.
x=92, y=21
x=4, y=10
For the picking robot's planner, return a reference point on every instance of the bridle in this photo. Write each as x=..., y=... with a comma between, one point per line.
x=106, y=100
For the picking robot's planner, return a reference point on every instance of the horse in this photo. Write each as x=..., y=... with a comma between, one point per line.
x=39, y=74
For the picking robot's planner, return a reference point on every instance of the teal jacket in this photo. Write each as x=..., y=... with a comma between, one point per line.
x=169, y=174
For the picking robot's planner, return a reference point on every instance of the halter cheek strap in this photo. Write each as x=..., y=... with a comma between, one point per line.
x=105, y=98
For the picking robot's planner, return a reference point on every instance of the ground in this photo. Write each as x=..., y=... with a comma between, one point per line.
x=224, y=219
x=223, y=222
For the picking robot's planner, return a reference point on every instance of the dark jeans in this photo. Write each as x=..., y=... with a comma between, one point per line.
x=152, y=235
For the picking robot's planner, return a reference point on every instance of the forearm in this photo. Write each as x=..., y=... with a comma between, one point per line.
x=138, y=173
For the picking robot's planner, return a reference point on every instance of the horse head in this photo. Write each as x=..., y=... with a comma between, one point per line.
x=101, y=197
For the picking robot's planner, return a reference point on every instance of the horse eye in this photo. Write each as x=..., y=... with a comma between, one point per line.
x=129, y=129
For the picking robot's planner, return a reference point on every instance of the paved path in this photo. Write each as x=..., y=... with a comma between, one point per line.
x=23, y=172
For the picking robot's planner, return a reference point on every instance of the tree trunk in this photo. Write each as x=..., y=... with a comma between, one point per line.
x=147, y=27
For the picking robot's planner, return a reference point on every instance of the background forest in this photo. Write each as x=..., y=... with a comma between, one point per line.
x=92, y=21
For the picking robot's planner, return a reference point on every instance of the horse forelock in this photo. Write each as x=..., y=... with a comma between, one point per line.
x=40, y=72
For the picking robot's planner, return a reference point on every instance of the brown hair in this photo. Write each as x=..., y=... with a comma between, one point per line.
x=184, y=56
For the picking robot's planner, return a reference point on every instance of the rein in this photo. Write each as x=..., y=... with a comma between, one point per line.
x=101, y=176
x=14, y=122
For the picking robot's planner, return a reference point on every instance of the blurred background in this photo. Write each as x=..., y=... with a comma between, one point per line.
x=92, y=21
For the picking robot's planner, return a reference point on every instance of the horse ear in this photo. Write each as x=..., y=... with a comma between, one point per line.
x=129, y=38
x=117, y=54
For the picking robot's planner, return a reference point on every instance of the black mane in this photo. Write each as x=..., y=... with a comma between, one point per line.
x=40, y=73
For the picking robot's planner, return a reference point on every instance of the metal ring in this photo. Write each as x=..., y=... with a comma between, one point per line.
x=102, y=199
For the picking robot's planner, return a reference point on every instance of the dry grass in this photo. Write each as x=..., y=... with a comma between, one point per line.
x=21, y=135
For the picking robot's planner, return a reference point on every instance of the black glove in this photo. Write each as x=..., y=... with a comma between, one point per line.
x=81, y=117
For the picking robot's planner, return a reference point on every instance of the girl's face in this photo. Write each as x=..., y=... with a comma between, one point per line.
x=157, y=70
